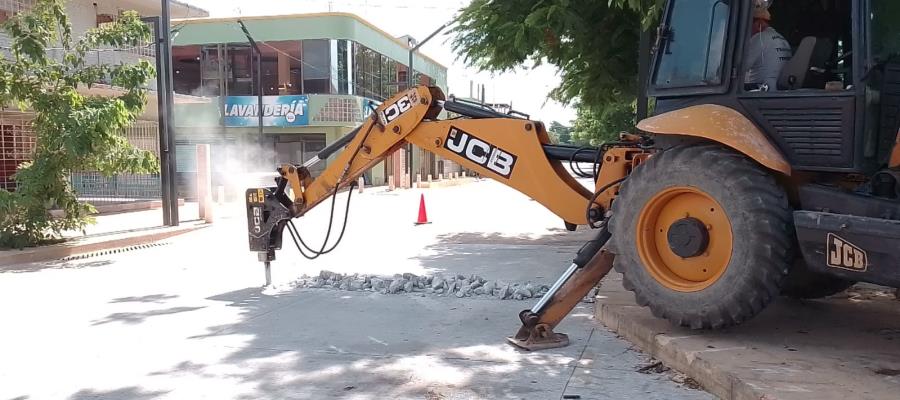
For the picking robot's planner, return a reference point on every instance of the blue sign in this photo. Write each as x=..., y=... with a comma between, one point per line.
x=277, y=111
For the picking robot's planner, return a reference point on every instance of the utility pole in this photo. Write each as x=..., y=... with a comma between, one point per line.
x=259, y=87
x=166, y=91
x=259, y=110
x=410, y=72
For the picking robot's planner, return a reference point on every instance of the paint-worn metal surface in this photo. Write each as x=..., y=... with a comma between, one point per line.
x=618, y=163
x=723, y=125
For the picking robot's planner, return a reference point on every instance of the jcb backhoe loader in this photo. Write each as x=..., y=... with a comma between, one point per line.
x=730, y=195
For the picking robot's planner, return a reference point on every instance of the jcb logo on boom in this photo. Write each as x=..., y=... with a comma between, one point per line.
x=395, y=110
x=480, y=152
x=842, y=254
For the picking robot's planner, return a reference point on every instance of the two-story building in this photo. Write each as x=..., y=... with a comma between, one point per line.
x=318, y=73
x=17, y=139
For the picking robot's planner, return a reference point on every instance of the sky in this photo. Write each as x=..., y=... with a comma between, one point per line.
x=525, y=89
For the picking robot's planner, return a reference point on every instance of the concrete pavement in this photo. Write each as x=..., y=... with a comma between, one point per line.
x=845, y=347
x=188, y=319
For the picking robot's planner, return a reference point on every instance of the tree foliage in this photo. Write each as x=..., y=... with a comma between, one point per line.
x=562, y=132
x=594, y=127
x=74, y=131
x=594, y=44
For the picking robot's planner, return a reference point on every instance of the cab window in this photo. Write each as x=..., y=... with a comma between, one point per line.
x=885, y=29
x=692, y=53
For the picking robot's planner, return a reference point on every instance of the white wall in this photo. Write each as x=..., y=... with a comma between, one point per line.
x=83, y=17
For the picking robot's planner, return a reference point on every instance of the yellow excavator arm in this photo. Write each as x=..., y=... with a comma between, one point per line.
x=508, y=148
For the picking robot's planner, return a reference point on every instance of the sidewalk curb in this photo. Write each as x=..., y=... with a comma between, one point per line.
x=446, y=183
x=665, y=348
x=92, y=244
x=122, y=207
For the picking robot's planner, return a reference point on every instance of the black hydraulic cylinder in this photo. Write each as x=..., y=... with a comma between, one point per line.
x=337, y=144
x=472, y=110
x=591, y=248
x=571, y=153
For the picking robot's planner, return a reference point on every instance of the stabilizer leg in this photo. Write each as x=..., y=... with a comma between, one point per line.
x=588, y=268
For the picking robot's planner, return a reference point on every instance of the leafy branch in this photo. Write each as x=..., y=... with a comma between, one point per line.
x=74, y=131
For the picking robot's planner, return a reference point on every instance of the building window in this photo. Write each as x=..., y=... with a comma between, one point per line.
x=282, y=67
x=367, y=68
x=9, y=8
x=239, y=70
x=389, y=84
x=186, y=62
x=103, y=19
x=342, y=67
x=210, y=71
x=424, y=80
x=317, y=66
x=290, y=68
x=402, y=78
x=17, y=143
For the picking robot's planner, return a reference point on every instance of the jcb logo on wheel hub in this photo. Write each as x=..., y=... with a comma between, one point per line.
x=842, y=254
x=480, y=152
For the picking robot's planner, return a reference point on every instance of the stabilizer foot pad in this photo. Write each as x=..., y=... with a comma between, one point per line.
x=538, y=338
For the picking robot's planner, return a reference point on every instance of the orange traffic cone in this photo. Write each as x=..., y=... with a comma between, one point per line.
x=423, y=216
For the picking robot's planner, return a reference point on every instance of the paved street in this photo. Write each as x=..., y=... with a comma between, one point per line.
x=188, y=319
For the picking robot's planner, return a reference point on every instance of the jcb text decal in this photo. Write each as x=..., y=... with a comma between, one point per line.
x=395, y=110
x=480, y=152
x=257, y=219
x=842, y=254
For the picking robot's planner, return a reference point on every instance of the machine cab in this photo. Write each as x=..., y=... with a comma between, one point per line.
x=831, y=105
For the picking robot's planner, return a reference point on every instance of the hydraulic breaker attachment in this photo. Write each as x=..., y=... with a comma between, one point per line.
x=267, y=213
x=591, y=264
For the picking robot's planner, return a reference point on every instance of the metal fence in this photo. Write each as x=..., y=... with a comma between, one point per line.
x=17, y=143
x=98, y=189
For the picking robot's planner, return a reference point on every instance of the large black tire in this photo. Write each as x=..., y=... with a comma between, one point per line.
x=761, y=227
x=801, y=283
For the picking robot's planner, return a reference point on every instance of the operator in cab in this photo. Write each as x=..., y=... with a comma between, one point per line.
x=767, y=51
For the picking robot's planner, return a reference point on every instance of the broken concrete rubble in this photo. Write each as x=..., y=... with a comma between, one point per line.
x=440, y=285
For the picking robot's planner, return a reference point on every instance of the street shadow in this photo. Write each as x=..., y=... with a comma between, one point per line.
x=288, y=355
x=59, y=264
x=555, y=237
x=130, y=393
x=314, y=344
x=133, y=318
x=330, y=344
x=498, y=256
x=150, y=298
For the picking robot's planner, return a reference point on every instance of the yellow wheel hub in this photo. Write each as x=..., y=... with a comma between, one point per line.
x=684, y=239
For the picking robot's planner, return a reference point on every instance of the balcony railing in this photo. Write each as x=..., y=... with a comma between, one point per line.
x=144, y=48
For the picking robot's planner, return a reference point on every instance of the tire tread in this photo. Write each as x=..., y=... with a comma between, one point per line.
x=769, y=208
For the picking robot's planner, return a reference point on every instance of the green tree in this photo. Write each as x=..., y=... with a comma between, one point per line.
x=74, y=132
x=594, y=44
x=594, y=127
x=563, y=133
